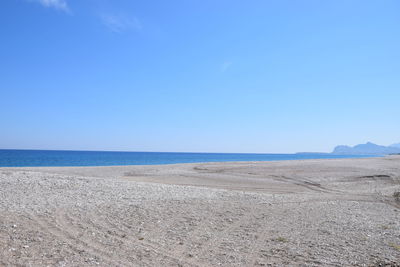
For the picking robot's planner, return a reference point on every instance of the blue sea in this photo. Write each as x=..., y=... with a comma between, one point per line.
x=31, y=158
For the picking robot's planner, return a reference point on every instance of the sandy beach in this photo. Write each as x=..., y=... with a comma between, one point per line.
x=336, y=212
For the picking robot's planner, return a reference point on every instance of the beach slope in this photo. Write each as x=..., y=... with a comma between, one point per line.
x=315, y=212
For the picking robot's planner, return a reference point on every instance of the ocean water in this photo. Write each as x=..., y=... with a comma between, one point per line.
x=31, y=158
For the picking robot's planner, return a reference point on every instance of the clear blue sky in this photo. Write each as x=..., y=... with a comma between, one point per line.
x=199, y=75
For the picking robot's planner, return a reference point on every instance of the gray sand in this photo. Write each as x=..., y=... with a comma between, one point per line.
x=338, y=212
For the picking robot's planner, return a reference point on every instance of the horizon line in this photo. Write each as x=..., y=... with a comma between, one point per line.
x=130, y=151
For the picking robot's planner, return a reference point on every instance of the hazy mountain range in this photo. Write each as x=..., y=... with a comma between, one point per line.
x=396, y=145
x=367, y=149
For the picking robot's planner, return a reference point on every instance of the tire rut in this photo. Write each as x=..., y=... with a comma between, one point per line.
x=142, y=244
x=218, y=238
x=76, y=243
x=304, y=183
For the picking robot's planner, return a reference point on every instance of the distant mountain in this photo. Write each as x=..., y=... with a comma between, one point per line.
x=396, y=145
x=367, y=149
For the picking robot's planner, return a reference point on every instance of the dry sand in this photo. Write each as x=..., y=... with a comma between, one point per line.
x=338, y=212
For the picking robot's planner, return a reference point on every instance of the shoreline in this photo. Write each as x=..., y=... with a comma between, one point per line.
x=206, y=162
x=254, y=176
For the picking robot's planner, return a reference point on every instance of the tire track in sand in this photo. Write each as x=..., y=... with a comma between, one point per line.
x=76, y=243
x=246, y=218
x=141, y=244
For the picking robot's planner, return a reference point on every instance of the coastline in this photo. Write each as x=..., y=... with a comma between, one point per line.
x=260, y=179
x=312, y=212
x=71, y=158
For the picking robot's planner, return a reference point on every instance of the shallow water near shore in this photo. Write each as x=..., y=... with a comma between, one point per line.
x=48, y=158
